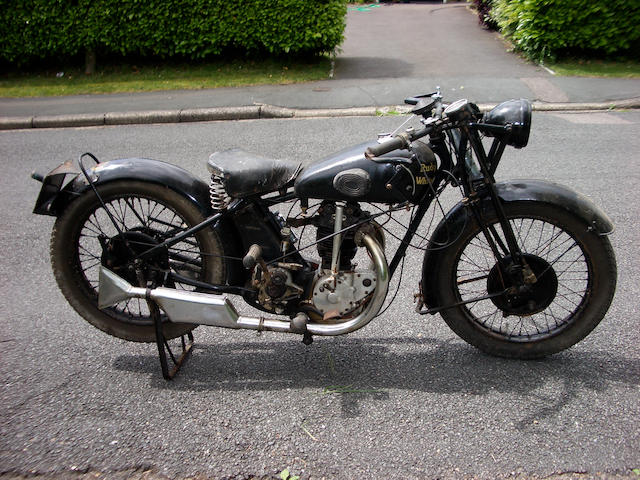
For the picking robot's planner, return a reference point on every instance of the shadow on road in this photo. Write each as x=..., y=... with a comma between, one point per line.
x=359, y=369
x=367, y=67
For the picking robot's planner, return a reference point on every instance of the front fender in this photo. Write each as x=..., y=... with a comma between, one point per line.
x=54, y=201
x=548, y=192
x=452, y=225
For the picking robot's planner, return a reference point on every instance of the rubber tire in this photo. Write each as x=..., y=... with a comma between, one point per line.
x=598, y=253
x=72, y=283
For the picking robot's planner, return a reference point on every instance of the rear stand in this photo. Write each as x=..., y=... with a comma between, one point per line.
x=163, y=345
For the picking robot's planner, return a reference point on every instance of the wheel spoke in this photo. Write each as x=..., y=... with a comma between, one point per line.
x=135, y=212
x=171, y=231
x=494, y=317
x=547, y=243
x=89, y=267
x=471, y=280
x=525, y=237
x=94, y=222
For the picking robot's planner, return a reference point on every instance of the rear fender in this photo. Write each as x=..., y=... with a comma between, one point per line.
x=56, y=195
x=451, y=227
x=62, y=185
x=153, y=171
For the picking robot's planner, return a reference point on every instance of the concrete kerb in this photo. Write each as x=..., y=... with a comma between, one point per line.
x=630, y=103
x=16, y=123
x=78, y=120
x=255, y=112
x=133, y=118
x=219, y=113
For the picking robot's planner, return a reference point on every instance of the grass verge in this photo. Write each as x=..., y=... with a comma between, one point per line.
x=125, y=78
x=596, y=68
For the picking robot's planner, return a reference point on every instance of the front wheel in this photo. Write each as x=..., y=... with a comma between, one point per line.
x=135, y=216
x=575, y=272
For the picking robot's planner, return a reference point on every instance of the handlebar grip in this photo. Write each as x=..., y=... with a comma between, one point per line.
x=385, y=147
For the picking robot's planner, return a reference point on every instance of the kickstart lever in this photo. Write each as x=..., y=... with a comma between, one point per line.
x=253, y=256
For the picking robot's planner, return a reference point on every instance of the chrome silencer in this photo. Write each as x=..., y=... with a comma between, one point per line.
x=181, y=306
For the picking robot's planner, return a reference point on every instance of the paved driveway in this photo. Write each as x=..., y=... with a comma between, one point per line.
x=424, y=41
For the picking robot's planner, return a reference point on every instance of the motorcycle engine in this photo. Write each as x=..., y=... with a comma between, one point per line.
x=331, y=296
x=276, y=286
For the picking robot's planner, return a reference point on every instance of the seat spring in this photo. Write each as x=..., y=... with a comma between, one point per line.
x=219, y=198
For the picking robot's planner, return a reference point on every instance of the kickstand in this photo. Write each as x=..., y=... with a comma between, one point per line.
x=163, y=345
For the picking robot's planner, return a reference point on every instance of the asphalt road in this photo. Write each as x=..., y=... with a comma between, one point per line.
x=418, y=402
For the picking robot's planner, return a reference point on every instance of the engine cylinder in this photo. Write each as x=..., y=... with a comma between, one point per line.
x=325, y=228
x=348, y=248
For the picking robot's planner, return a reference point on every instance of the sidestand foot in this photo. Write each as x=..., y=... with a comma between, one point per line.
x=163, y=346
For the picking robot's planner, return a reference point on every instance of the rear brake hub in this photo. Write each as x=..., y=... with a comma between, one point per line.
x=119, y=252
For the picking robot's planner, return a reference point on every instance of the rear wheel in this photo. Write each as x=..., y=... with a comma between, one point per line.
x=85, y=237
x=576, y=278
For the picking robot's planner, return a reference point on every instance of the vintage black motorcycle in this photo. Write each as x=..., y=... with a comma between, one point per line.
x=145, y=251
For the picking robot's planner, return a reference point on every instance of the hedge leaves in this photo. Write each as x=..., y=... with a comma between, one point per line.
x=52, y=29
x=544, y=28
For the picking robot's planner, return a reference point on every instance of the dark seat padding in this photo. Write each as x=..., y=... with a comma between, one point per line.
x=244, y=173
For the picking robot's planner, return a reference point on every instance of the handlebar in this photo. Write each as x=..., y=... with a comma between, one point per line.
x=389, y=146
x=402, y=140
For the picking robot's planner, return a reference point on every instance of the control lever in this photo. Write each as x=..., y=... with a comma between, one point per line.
x=253, y=256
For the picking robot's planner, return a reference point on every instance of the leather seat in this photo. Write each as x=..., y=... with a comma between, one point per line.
x=244, y=173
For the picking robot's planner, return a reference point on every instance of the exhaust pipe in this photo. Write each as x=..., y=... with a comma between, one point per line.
x=216, y=310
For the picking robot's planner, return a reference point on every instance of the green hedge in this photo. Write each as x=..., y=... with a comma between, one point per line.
x=483, y=9
x=46, y=29
x=544, y=28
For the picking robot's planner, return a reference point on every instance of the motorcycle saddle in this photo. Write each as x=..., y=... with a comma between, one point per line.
x=244, y=173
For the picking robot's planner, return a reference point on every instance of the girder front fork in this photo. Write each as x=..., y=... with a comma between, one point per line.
x=516, y=267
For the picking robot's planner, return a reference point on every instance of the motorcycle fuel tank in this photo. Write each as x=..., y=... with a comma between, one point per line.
x=349, y=175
